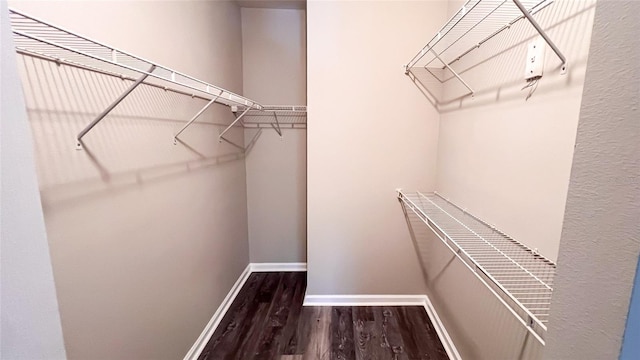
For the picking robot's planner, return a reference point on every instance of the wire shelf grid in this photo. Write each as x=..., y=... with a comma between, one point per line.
x=470, y=27
x=522, y=278
x=35, y=37
x=284, y=116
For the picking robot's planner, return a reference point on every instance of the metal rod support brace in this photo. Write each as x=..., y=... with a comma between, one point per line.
x=175, y=137
x=454, y=73
x=106, y=111
x=543, y=34
x=220, y=137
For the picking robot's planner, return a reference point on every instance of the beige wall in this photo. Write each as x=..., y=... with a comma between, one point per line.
x=146, y=237
x=507, y=159
x=274, y=68
x=601, y=236
x=369, y=132
x=29, y=316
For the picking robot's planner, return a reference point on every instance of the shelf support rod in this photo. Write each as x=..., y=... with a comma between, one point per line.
x=453, y=72
x=221, y=136
x=542, y=33
x=175, y=137
x=106, y=111
x=277, y=129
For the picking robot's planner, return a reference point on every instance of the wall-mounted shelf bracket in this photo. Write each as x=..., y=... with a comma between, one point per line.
x=454, y=73
x=540, y=30
x=106, y=111
x=221, y=136
x=175, y=137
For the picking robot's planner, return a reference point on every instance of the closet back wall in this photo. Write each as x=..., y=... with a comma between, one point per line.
x=369, y=132
x=274, y=67
x=146, y=237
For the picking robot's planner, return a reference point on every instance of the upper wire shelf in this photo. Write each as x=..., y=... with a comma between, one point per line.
x=474, y=24
x=521, y=278
x=280, y=116
x=38, y=38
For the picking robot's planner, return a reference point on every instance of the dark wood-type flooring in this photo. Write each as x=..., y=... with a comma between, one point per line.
x=267, y=321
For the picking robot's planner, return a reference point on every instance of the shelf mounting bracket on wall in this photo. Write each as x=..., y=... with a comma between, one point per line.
x=221, y=136
x=109, y=108
x=540, y=30
x=453, y=72
x=211, y=102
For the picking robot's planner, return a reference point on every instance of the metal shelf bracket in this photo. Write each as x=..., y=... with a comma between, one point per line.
x=540, y=30
x=109, y=108
x=211, y=102
x=221, y=136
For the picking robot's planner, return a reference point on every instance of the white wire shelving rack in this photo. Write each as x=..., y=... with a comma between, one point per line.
x=520, y=278
x=477, y=22
x=277, y=117
x=37, y=38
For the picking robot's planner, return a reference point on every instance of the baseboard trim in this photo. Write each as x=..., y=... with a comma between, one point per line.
x=445, y=339
x=322, y=300
x=208, y=331
x=273, y=267
x=363, y=300
x=390, y=300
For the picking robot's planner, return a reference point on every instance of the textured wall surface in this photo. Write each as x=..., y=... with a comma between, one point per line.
x=601, y=234
x=30, y=321
x=274, y=73
x=146, y=237
x=370, y=131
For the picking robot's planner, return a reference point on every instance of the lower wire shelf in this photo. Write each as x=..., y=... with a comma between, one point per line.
x=517, y=275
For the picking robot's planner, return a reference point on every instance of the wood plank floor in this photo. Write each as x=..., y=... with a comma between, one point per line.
x=267, y=321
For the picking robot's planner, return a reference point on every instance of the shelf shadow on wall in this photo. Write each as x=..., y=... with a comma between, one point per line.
x=80, y=191
x=131, y=147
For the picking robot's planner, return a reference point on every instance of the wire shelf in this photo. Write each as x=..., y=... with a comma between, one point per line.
x=283, y=116
x=40, y=39
x=474, y=24
x=521, y=278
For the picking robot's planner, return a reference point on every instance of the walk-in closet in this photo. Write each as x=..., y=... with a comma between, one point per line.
x=246, y=179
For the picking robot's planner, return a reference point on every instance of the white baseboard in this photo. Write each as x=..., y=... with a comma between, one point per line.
x=363, y=300
x=274, y=267
x=322, y=300
x=446, y=341
x=390, y=300
x=206, y=334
